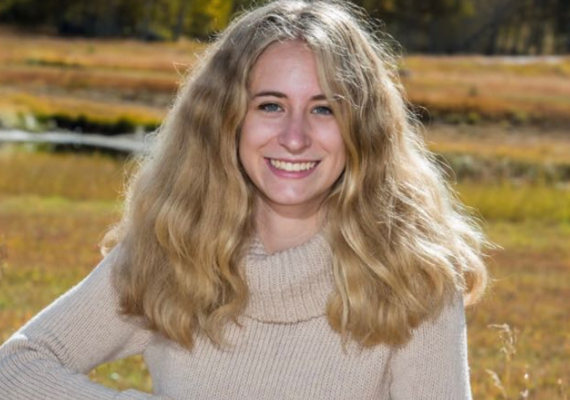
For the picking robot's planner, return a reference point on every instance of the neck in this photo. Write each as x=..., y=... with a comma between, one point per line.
x=280, y=228
x=292, y=285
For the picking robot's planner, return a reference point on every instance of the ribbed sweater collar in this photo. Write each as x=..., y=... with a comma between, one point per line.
x=289, y=286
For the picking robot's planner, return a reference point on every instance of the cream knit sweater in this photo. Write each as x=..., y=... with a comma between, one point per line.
x=285, y=349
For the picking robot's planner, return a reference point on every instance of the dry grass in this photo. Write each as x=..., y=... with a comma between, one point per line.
x=101, y=80
x=454, y=89
x=473, y=64
x=17, y=104
x=18, y=49
x=51, y=244
x=508, y=202
x=475, y=88
x=493, y=153
x=68, y=176
x=531, y=275
x=551, y=152
x=72, y=79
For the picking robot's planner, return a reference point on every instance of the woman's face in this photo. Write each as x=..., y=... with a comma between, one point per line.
x=290, y=144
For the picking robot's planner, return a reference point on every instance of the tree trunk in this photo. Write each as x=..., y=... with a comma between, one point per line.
x=536, y=18
x=179, y=27
x=108, y=26
x=145, y=25
x=515, y=35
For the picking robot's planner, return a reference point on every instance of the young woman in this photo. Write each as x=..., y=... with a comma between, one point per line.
x=289, y=237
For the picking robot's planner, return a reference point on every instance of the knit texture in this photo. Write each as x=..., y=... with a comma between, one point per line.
x=284, y=349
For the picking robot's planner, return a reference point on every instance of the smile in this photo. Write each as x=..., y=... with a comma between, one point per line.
x=292, y=166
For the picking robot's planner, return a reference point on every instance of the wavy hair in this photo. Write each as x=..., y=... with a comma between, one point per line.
x=403, y=246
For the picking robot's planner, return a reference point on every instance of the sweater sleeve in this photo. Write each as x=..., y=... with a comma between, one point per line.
x=433, y=365
x=50, y=356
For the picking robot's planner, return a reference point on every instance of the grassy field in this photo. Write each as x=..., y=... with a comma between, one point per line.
x=501, y=126
x=46, y=76
x=476, y=88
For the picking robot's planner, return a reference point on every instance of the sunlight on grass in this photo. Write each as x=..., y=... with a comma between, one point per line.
x=17, y=103
x=498, y=89
x=93, y=53
x=517, y=203
x=551, y=154
x=462, y=88
x=71, y=176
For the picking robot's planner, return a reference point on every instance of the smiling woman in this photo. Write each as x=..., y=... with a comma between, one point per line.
x=290, y=145
x=289, y=236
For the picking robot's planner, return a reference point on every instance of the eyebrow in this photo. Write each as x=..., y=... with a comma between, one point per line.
x=284, y=96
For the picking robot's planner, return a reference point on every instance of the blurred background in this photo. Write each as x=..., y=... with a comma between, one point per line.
x=82, y=82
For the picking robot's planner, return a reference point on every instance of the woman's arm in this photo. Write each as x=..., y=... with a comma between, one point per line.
x=50, y=356
x=433, y=365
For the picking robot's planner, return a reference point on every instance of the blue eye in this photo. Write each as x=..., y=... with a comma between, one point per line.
x=270, y=107
x=322, y=110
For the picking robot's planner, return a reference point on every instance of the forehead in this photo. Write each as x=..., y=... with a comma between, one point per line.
x=284, y=64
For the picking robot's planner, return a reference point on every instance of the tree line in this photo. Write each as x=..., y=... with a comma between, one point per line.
x=430, y=26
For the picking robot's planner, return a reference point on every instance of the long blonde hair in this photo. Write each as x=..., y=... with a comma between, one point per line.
x=402, y=244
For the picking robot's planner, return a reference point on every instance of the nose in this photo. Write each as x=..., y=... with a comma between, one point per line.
x=294, y=135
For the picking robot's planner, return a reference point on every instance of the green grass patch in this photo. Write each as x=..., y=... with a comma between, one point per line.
x=65, y=175
x=490, y=169
x=35, y=205
x=76, y=112
x=509, y=202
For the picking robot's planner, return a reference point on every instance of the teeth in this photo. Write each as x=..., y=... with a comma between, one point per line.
x=292, y=167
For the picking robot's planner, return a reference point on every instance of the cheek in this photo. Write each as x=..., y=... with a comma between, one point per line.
x=338, y=150
x=255, y=136
x=334, y=145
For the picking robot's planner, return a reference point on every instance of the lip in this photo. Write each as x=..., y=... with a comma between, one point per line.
x=291, y=174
